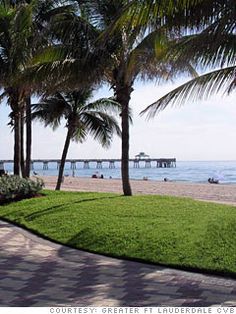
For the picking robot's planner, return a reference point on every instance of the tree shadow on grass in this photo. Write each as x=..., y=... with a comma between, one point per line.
x=60, y=207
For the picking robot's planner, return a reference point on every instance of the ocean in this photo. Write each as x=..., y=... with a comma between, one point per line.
x=186, y=171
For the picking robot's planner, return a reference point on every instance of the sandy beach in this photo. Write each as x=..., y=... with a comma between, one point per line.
x=220, y=193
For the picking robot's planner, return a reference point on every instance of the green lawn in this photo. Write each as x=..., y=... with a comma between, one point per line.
x=167, y=230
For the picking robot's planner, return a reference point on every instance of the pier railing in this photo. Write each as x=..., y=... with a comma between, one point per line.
x=100, y=163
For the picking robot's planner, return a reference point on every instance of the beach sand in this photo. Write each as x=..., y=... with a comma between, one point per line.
x=220, y=193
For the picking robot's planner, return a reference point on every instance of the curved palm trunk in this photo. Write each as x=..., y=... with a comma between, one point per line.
x=28, y=137
x=123, y=97
x=63, y=160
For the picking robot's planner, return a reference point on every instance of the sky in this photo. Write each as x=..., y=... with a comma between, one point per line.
x=202, y=130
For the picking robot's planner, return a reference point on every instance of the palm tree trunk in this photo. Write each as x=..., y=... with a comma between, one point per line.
x=22, y=162
x=13, y=95
x=123, y=97
x=28, y=137
x=17, y=144
x=63, y=160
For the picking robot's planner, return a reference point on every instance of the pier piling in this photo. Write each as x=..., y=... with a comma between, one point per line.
x=45, y=165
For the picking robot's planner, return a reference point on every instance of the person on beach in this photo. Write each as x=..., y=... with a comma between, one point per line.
x=97, y=175
x=212, y=180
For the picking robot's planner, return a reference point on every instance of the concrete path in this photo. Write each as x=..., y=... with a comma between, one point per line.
x=35, y=272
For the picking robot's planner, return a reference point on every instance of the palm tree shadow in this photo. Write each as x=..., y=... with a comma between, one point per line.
x=83, y=279
x=126, y=280
x=76, y=278
x=60, y=207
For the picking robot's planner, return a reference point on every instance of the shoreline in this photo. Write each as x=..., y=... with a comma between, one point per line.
x=219, y=193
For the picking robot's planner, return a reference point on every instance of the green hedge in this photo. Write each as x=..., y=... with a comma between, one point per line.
x=14, y=188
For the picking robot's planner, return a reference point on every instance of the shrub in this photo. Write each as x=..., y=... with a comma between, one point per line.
x=14, y=188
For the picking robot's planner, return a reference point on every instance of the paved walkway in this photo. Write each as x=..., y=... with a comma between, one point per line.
x=35, y=272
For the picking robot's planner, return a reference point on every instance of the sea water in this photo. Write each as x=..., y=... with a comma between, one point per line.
x=188, y=171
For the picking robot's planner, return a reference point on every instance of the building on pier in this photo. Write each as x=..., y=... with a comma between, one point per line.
x=142, y=156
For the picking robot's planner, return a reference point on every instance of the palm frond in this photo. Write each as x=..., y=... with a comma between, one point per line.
x=144, y=57
x=178, y=14
x=50, y=110
x=201, y=87
x=101, y=127
x=21, y=31
x=73, y=29
x=47, y=118
x=205, y=50
x=100, y=13
x=107, y=105
x=3, y=95
x=79, y=134
x=149, y=59
x=55, y=70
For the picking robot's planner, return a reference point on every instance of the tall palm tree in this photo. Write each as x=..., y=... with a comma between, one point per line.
x=16, y=27
x=130, y=54
x=126, y=55
x=24, y=29
x=82, y=118
x=43, y=17
x=136, y=53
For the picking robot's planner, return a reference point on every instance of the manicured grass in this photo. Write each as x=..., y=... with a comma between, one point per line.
x=167, y=230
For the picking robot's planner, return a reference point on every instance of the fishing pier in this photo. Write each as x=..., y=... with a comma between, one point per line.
x=100, y=163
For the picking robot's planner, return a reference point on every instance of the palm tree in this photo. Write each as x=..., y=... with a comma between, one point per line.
x=24, y=28
x=129, y=54
x=16, y=26
x=44, y=15
x=82, y=118
x=126, y=55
